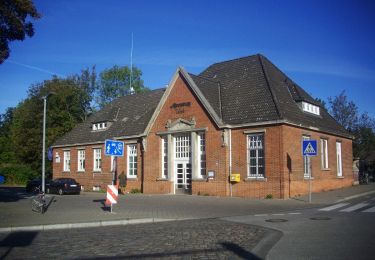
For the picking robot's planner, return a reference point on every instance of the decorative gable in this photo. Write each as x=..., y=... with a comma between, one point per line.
x=180, y=124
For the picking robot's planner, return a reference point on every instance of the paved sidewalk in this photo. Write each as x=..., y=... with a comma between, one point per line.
x=70, y=211
x=334, y=196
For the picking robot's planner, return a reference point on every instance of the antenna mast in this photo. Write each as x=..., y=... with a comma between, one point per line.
x=131, y=68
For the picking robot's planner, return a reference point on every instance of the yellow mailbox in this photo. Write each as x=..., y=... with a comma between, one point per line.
x=235, y=177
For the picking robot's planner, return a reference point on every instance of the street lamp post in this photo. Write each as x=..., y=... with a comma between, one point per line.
x=44, y=144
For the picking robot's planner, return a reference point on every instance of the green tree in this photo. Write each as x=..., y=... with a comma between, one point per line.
x=345, y=112
x=7, y=155
x=14, y=24
x=361, y=126
x=68, y=106
x=115, y=82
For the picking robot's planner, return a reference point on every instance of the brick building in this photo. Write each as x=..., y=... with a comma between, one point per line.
x=242, y=116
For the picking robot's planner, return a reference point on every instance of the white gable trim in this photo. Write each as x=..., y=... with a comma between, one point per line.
x=195, y=90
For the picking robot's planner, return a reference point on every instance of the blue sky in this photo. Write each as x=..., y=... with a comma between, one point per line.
x=324, y=46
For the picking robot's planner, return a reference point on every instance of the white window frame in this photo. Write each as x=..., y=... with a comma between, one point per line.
x=339, y=159
x=308, y=107
x=306, y=162
x=257, y=145
x=97, y=159
x=66, y=161
x=81, y=154
x=132, y=161
x=324, y=153
x=183, y=146
x=99, y=126
x=202, y=155
x=164, y=157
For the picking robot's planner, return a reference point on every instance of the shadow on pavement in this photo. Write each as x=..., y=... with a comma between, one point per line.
x=13, y=194
x=239, y=251
x=17, y=239
x=102, y=202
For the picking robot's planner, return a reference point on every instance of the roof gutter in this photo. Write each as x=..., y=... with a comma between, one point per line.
x=99, y=142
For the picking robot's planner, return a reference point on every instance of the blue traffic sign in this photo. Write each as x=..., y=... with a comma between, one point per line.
x=309, y=148
x=115, y=148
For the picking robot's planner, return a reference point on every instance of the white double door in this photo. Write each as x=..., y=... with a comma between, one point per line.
x=182, y=163
x=183, y=177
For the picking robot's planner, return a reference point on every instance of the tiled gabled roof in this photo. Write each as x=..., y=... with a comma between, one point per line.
x=127, y=116
x=253, y=90
x=245, y=91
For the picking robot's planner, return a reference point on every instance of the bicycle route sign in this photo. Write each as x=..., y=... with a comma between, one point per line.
x=309, y=148
x=114, y=148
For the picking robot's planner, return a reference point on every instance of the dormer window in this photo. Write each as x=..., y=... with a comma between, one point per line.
x=99, y=126
x=307, y=107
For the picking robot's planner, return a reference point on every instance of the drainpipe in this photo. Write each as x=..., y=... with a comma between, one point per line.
x=230, y=160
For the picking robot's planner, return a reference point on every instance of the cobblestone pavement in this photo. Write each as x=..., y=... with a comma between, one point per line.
x=189, y=239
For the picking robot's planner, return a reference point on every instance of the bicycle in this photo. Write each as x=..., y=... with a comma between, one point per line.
x=38, y=204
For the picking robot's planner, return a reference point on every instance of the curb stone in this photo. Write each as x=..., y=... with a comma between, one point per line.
x=86, y=224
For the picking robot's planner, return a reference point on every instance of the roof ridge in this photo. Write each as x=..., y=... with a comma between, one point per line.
x=274, y=99
x=231, y=60
x=198, y=76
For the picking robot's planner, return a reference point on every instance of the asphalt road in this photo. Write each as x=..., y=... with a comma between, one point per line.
x=344, y=230
x=205, y=227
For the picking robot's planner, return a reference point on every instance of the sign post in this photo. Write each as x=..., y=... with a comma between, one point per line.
x=116, y=149
x=309, y=149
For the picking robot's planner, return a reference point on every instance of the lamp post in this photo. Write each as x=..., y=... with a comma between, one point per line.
x=44, y=140
x=44, y=143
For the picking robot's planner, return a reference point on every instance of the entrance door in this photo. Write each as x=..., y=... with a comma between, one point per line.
x=182, y=167
x=183, y=178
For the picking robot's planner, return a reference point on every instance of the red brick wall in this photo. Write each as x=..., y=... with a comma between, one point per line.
x=89, y=178
x=281, y=142
x=258, y=188
x=215, y=153
x=324, y=179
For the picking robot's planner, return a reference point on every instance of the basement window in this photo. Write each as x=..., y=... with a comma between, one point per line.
x=308, y=107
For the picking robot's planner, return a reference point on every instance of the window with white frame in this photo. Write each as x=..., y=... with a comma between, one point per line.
x=97, y=159
x=324, y=153
x=306, y=162
x=255, y=144
x=307, y=107
x=66, y=161
x=81, y=160
x=164, y=150
x=202, y=153
x=183, y=146
x=132, y=161
x=99, y=126
x=339, y=159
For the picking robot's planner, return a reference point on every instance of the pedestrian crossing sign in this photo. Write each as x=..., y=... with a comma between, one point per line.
x=309, y=148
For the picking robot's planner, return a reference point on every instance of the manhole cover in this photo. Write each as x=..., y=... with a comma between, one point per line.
x=320, y=218
x=275, y=220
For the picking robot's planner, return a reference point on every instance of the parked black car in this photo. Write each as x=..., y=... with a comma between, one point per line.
x=36, y=184
x=64, y=186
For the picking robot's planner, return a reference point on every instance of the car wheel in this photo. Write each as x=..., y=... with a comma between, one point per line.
x=61, y=192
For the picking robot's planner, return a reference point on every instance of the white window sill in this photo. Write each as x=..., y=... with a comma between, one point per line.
x=255, y=179
x=340, y=177
x=132, y=178
x=97, y=171
x=66, y=172
x=162, y=179
x=81, y=171
x=308, y=178
x=325, y=169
